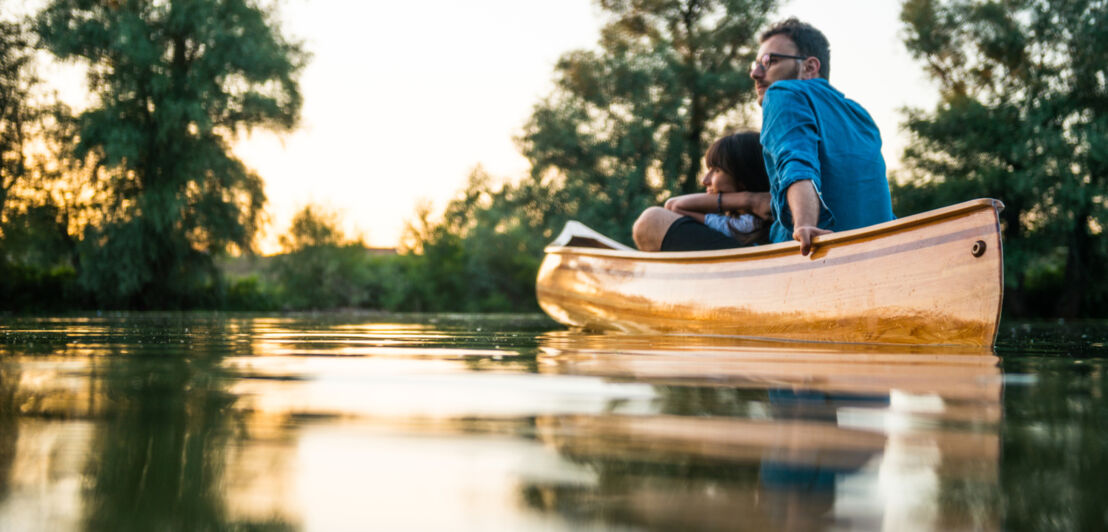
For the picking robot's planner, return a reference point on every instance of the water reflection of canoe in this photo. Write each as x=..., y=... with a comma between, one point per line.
x=931, y=278
x=959, y=376
x=787, y=435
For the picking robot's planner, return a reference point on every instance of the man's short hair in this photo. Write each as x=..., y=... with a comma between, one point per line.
x=808, y=40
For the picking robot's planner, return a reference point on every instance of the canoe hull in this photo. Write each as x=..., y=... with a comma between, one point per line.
x=934, y=278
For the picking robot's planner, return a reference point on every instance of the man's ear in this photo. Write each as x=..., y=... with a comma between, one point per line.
x=809, y=68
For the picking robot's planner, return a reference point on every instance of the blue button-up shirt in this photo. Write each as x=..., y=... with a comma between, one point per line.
x=810, y=131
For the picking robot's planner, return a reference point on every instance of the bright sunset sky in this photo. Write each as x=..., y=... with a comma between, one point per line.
x=403, y=99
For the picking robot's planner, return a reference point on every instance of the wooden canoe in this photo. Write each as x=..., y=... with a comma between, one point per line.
x=934, y=278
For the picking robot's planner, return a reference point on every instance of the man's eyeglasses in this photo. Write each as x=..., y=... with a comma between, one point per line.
x=771, y=59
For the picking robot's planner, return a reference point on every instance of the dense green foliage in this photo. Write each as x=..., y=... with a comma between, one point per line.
x=15, y=111
x=627, y=124
x=174, y=82
x=1022, y=118
x=36, y=270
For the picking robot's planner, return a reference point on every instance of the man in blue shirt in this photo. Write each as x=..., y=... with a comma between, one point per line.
x=822, y=153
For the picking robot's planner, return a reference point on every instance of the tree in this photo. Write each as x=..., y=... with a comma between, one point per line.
x=625, y=126
x=482, y=256
x=175, y=82
x=16, y=82
x=629, y=124
x=313, y=226
x=321, y=267
x=1022, y=117
x=36, y=248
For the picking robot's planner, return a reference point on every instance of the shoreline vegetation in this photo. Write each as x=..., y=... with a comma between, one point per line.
x=137, y=202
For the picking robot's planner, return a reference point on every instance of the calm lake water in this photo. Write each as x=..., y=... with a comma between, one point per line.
x=360, y=422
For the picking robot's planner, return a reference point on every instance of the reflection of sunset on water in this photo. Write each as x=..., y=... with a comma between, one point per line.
x=475, y=424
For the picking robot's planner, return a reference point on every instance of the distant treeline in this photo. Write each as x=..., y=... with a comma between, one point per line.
x=321, y=268
x=137, y=202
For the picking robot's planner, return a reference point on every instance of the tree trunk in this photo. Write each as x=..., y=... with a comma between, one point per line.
x=694, y=149
x=1015, y=300
x=1078, y=253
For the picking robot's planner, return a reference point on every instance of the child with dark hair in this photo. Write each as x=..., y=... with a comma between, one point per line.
x=734, y=165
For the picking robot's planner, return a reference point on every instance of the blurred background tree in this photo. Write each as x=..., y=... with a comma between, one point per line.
x=174, y=82
x=627, y=125
x=36, y=247
x=320, y=266
x=1022, y=118
x=16, y=81
x=482, y=256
